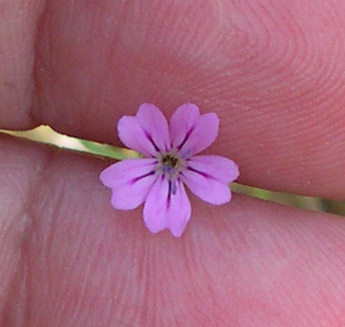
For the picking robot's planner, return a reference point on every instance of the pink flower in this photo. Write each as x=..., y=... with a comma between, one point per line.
x=170, y=162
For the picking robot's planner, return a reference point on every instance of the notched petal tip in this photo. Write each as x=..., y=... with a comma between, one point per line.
x=153, y=228
x=177, y=233
x=217, y=167
x=105, y=176
x=154, y=125
x=130, y=181
x=188, y=109
x=133, y=136
x=179, y=212
x=207, y=187
x=163, y=210
x=201, y=134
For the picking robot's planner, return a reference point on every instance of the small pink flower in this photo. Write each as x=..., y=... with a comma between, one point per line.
x=169, y=163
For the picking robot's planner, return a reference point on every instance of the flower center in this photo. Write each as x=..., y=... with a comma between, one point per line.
x=170, y=165
x=169, y=162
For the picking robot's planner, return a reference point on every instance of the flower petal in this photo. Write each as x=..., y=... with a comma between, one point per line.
x=192, y=132
x=219, y=168
x=130, y=181
x=155, y=125
x=182, y=121
x=165, y=208
x=133, y=136
x=147, y=132
x=180, y=210
x=208, y=177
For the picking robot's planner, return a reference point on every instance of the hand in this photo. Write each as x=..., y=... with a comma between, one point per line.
x=274, y=73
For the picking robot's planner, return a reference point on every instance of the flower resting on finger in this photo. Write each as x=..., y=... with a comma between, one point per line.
x=170, y=162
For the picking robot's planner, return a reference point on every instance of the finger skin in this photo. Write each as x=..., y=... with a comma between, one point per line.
x=80, y=262
x=272, y=70
x=18, y=32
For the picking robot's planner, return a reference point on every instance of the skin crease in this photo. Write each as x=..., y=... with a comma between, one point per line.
x=273, y=72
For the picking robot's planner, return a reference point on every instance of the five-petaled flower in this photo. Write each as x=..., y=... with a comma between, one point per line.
x=169, y=162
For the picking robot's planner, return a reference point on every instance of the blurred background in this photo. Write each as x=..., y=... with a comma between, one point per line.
x=45, y=134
